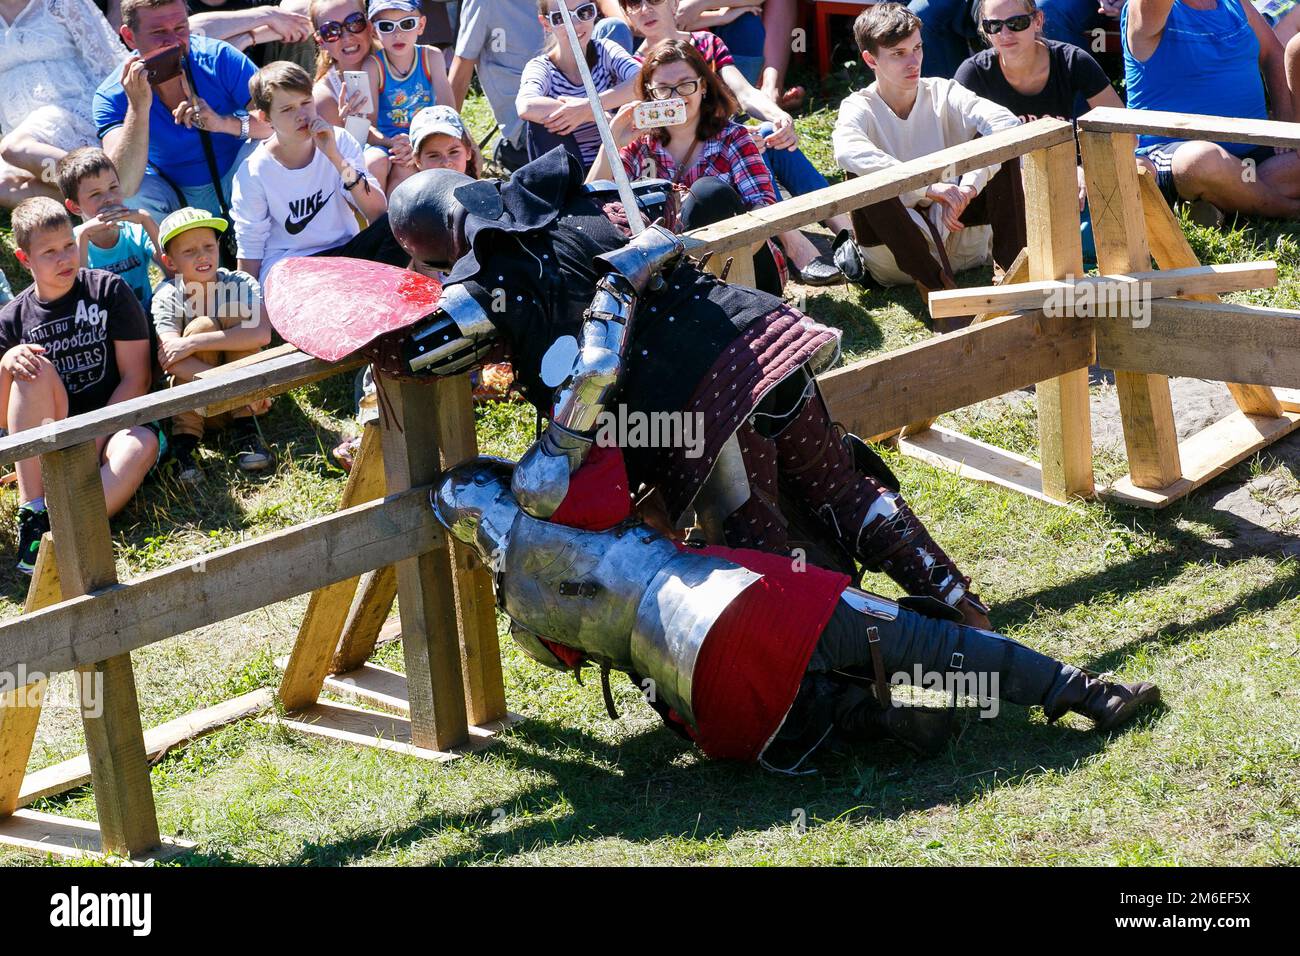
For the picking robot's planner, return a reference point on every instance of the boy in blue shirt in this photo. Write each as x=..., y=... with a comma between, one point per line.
x=111, y=237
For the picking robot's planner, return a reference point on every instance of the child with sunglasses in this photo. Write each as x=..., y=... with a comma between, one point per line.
x=405, y=77
x=552, y=98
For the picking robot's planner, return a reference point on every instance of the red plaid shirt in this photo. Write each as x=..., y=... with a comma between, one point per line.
x=730, y=156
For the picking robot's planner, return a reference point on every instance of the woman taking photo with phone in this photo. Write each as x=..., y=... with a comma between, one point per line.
x=711, y=160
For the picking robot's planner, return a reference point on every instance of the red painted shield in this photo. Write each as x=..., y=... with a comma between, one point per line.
x=331, y=306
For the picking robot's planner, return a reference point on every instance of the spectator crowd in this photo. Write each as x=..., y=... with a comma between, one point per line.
x=158, y=159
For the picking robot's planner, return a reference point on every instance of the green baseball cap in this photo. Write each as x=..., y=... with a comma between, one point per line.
x=182, y=220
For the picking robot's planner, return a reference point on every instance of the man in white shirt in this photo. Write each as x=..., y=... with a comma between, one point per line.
x=300, y=191
x=927, y=234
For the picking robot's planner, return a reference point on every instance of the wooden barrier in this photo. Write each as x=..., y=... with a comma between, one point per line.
x=384, y=540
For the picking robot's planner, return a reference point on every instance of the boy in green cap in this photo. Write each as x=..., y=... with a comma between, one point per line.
x=205, y=317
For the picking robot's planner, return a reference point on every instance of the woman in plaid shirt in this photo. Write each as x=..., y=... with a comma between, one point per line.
x=713, y=162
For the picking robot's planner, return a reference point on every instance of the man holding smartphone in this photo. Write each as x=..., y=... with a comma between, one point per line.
x=201, y=88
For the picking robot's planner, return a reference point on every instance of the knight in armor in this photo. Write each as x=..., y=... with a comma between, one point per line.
x=751, y=655
x=540, y=272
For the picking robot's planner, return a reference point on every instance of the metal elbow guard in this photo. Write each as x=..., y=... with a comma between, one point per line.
x=643, y=260
x=541, y=479
x=457, y=336
x=580, y=400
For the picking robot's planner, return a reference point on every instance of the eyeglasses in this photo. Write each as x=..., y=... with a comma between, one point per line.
x=585, y=12
x=632, y=6
x=331, y=30
x=406, y=25
x=684, y=88
x=1017, y=24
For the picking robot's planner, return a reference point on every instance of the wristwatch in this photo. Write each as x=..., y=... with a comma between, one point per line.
x=244, y=128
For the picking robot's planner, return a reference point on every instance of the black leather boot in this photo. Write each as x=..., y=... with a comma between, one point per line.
x=923, y=730
x=1107, y=704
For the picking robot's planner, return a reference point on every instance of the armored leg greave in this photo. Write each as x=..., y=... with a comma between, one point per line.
x=872, y=522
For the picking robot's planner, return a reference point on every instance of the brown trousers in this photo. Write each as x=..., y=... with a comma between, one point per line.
x=192, y=423
x=1001, y=204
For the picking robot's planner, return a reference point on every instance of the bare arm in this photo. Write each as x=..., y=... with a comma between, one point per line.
x=134, y=367
x=128, y=145
x=752, y=100
x=458, y=77
x=1107, y=97
x=1146, y=24
x=438, y=74
x=1272, y=65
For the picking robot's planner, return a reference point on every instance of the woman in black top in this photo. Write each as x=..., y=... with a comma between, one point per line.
x=1033, y=76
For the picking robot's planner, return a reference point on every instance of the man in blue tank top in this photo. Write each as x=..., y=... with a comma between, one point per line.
x=1217, y=57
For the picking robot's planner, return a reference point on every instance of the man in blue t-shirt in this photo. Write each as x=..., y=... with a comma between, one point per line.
x=152, y=133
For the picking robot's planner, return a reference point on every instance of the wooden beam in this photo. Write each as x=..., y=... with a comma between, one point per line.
x=328, y=607
x=110, y=711
x=1083, y=295
x=1223, y=129
x=205, y=395
x=1210, y=340
x=1019, y=272
x=975, y=460
x=219, y=585
x=485, y=695
x=53, y=835
x=374, y=602
x=158, y=741
x=885, y=392
x=1207, y=455
x=744, y=230
x=426, y=592
x=1146, y=409
x=20, y=708
x=366, y=728
x=1055, y=251
x=1170, y=249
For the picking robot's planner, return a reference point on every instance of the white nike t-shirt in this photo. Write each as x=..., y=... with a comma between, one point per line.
x=282, y=212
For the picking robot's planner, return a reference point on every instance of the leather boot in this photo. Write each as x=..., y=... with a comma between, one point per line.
x=923, y=730
x=1107, y=704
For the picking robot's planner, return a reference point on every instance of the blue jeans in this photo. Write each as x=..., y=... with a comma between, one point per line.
x=947, y=27
x=791, y=168
x=158, y=198
x=612, y=28
x=745, y=37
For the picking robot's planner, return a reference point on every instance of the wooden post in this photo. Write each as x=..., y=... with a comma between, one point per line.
x=83, y=546
x=20, y=709
x=375, y=596
x=1055, y=252
x=426, y=594
x=1170, y=249
x=485, y=695
x=1119, y=226
x=327, y=609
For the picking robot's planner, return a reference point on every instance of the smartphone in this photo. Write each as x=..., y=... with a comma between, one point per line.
x=163, y=65
x=357, y=81
x=358, y=128
x=651, y=114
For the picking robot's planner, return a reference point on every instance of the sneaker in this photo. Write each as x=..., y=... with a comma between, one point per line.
x=32, y=526
x=184, y=453
x=251, y=452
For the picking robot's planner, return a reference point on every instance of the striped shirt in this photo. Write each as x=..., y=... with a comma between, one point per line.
x=541, y=77
x=710, y=45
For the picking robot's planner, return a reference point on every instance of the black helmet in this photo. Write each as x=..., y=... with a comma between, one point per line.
x=427, y=219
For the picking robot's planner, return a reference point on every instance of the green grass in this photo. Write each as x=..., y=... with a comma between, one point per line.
x=1211, y=778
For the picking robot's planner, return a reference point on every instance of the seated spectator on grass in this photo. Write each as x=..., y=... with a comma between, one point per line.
x=345, y=41
x=552, y=98
x=53, y=53
x=711, y=159
x=74, y=341
x=1033, y=76
x=1217, y=57
x=206, y=317
x=777, y=138
x=112, y=236
x=159, y=153
x=740, y=25
x=928, y=234
x=296, y=194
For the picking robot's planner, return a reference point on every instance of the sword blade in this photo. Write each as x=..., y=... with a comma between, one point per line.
x=624, y=184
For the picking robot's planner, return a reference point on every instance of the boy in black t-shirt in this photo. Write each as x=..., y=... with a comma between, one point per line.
x=74, y=341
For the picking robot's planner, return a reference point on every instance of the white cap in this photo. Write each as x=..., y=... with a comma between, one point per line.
x=435, y=119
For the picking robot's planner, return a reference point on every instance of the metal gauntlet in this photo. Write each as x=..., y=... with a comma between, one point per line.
x=457, y=336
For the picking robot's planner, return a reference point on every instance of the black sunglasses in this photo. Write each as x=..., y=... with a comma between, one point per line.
x=1017, y=24
x=632, y=6
x=585, y=12
x=331, y=30
x=406, y=25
